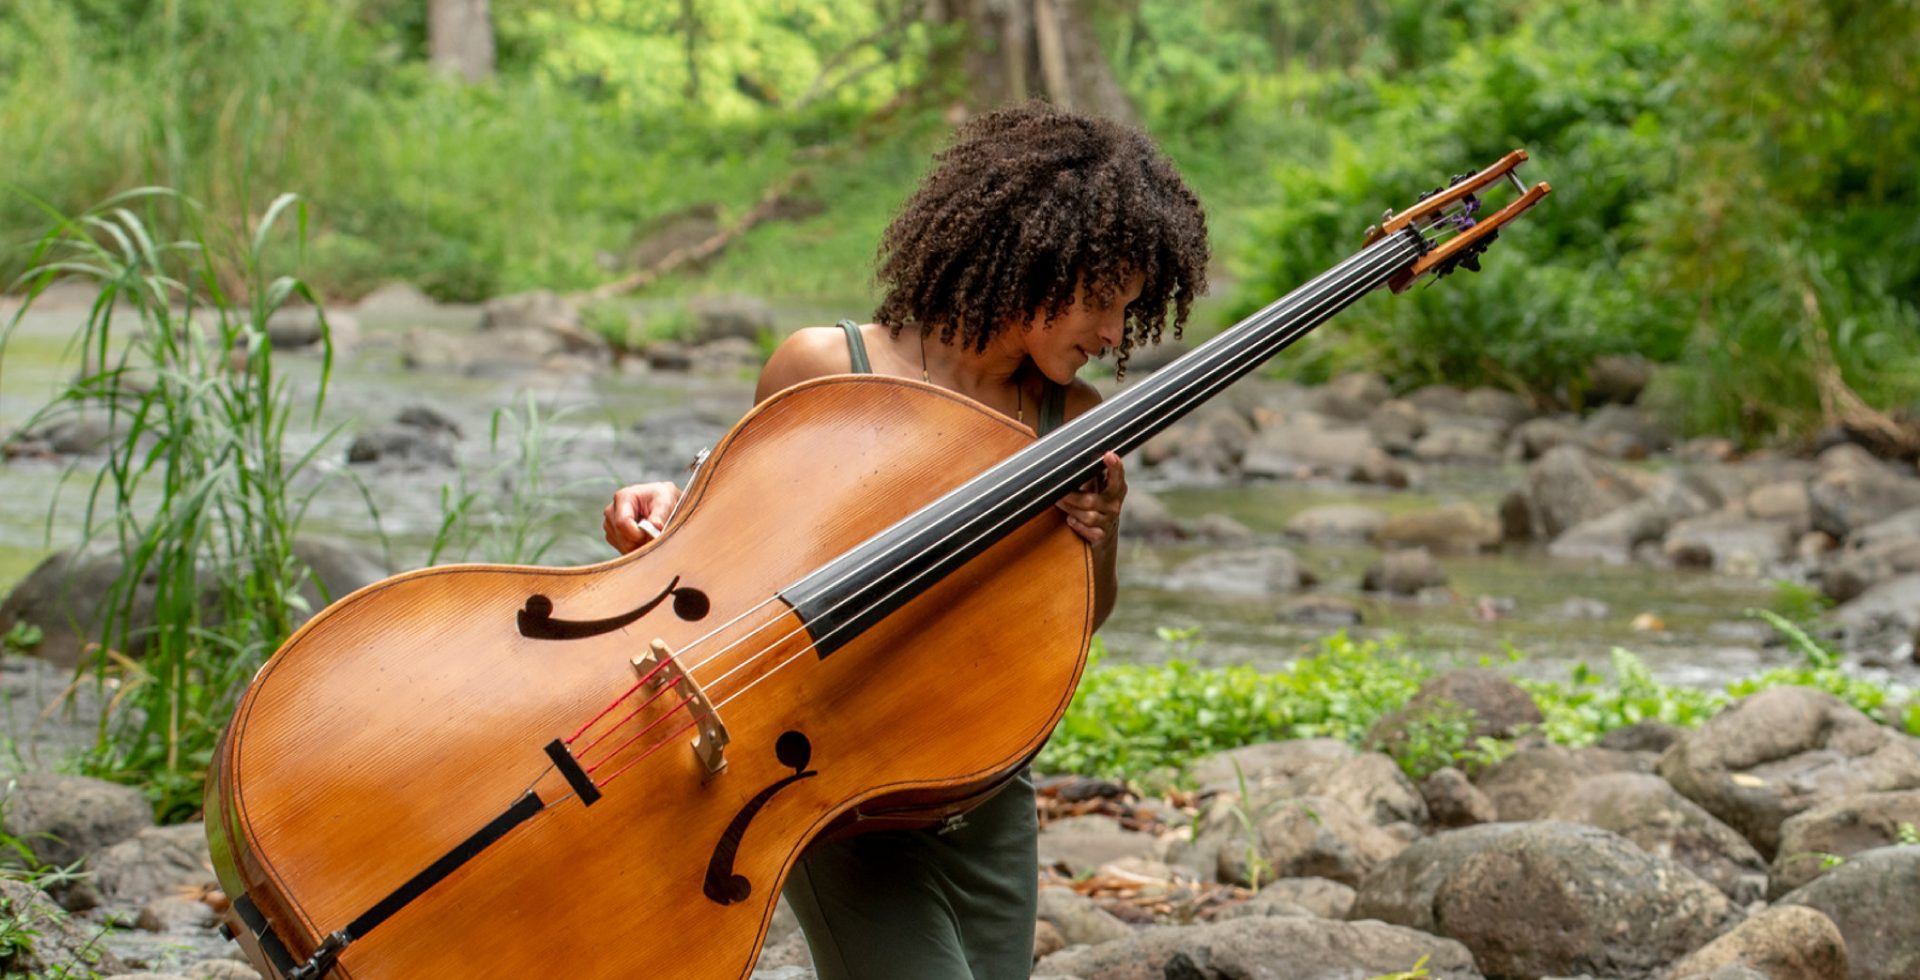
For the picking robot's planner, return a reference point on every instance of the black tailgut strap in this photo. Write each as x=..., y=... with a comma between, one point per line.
x=323, y=958
x=523, y=808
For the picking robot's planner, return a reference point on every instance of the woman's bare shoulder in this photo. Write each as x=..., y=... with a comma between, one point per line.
x=1081, y=396
x=807, y=353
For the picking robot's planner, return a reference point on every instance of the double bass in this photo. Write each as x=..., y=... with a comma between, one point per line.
x=608, y=771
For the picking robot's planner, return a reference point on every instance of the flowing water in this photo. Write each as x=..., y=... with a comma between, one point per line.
x=1513, y=600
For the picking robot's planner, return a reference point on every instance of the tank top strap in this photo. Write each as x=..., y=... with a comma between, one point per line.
x=1053, y=409
x=856, y=348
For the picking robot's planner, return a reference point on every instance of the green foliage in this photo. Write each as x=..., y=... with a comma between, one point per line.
x=197, y=491
x=1580, y=711
x=1821, y=668
x=522, y=520
x=1127, y=719
x=21, y=928
x=22, y=638
x=1418, y=972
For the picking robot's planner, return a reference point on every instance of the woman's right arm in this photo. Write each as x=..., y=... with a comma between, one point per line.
x=807, y=354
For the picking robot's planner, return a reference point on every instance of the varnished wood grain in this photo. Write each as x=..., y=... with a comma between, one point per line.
x=408, y=715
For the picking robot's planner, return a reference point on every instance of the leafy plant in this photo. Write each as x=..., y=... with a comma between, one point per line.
x=23, y=637
x=198, y=490
x=520, y=521
x=1418, y=972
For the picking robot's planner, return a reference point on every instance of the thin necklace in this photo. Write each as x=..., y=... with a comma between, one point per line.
x=1019, y=395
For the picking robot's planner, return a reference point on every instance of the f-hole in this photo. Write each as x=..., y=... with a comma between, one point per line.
x=723, y=886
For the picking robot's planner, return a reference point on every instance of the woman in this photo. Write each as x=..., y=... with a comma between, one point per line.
x=1040, y=240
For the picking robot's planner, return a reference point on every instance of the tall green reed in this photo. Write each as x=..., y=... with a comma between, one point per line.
x=197, y=493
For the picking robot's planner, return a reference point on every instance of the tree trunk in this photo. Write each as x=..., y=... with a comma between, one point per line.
x=460, y=38
x=1017, y=49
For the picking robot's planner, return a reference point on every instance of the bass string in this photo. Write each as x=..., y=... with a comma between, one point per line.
x=1065, y=461
x=1195, y=390
x=1223, y=369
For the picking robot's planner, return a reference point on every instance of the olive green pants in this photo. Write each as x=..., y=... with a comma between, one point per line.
x=925, y=905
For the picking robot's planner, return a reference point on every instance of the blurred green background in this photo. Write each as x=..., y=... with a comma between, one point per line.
x=1736, y=189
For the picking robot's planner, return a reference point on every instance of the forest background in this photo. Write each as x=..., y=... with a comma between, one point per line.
x=1736, y=186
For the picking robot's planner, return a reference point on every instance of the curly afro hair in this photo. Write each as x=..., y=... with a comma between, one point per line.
x=1030, y=205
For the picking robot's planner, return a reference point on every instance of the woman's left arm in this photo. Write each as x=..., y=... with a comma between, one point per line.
x=1093, y=511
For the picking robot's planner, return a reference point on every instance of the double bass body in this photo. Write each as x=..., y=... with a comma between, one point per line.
x=404, y=720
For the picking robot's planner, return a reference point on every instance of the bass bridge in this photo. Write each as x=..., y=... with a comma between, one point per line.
x=658, y=668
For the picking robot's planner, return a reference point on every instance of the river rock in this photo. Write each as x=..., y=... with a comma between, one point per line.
x=1251, y=572
x=64, y=818
x=46, y=942
x=1900, y=526
x=1787, y=942
x=1396, y=426
x=1614, y=537
x=1854, y=490
x=1782, y=502
x=1617, y=379
x=1850, y=573
x=1534, y=438
x=1625, y=432
x=64, y=595
x=1080, y=921
x=1269, y=764
x=156, y=861
x=1319, y=610
x=1783, y=751
x=1893, y=603
x=1730, y=542
x=395, y=299
x=1642, y=736
x=1558, y=899
x=1647, y=811
x=1495, y=707
x=1304, y=444
x=1840, y=828
x=1332, y=523
x=1453, y=801
x=1402, y=890
x=1569, y=485
x=1084, y=843
x=1147, y=518
x=1872, y=898
x=1531, y=781
x=1403, y=572
x=294, y=328
x=1352, y=397
x=1456, y=528
x=1461, y=441
x=730, y=316
x=1263, y=948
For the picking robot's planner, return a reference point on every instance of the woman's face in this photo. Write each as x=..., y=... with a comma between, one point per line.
x=1081, y=332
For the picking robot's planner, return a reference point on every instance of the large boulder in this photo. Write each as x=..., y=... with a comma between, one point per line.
x=1559, y=899
x=1730, y=542
x=1530, y=782
x=1493, y=706
x=1854, y=490
x=1872, y=898
x=153, y=863
x=1402, y=890
x=66, y=594
x=64, y=818
x=1780, y=752
x=1786, y=942
x=1263, y=948
x=1457, y=528
x=1840, y=829
x=43, y=941
x=1569, y=485
x=1850, y=573
x=1646, y=810
x=1247, y=573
